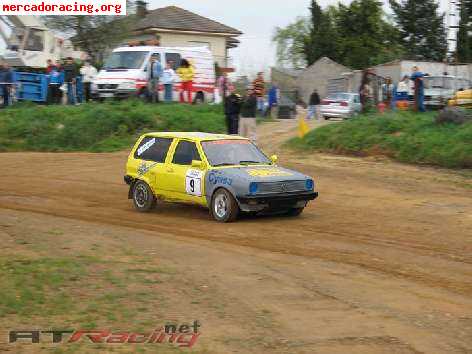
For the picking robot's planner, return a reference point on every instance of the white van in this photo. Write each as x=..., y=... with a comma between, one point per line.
x=125, y=72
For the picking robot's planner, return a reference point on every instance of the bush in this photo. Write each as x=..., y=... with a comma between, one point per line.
x=99, y=127
x=405, y=136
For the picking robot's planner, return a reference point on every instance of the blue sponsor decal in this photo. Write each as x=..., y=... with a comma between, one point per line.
x=217, y=178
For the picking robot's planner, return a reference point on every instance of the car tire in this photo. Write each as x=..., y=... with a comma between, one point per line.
x=224, y=207
x=295, y=212
x=143, y=197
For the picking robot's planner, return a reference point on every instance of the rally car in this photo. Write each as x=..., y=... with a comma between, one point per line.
x=227, y=174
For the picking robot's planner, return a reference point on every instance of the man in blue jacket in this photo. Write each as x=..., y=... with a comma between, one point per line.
x=155, y=72
x=6, y=82
x=56, y=80
x=417, y=77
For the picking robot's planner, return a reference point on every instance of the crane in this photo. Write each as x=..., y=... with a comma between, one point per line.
x=453, y=19
x=30, y=43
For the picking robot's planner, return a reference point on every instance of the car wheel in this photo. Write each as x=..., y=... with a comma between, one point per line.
x=224, y=207
x=143, y=198
x=295, y=212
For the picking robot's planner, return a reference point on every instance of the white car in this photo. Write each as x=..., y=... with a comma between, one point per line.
x=341, y=105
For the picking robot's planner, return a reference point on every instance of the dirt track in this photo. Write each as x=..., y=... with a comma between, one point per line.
x=382, y=262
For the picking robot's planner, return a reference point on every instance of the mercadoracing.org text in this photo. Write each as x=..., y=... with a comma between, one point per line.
x=62, y=7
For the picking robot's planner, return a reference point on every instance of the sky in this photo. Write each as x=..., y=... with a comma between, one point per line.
x=257, y=19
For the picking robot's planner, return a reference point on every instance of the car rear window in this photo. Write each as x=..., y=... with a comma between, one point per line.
x=153, y=149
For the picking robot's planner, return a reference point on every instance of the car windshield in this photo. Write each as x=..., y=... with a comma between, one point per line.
x=233, y=152
x=125, y=60
x=339, y=97
x=438, y=82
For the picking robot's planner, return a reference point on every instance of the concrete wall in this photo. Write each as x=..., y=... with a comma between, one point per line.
x=217, y=44
x=317, y=76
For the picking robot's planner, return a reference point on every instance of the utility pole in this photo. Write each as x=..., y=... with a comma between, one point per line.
x=453, y=19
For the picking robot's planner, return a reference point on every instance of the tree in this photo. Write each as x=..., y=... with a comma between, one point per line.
x=363, y=34
x=464, y=40
x=421, y=28
x=290, y=42
x=321, y=40
x=94, y=34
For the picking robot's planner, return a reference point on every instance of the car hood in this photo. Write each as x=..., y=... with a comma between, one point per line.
x=263, y=173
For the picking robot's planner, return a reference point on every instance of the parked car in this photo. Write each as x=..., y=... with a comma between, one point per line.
x=341, y=105
x=125, y=71
x=227, y=174
x=438, y=90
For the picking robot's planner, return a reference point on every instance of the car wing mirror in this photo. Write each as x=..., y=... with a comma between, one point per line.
x=274, y=159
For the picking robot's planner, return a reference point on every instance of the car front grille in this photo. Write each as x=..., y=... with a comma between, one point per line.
x=107, y=86
x=281, y=187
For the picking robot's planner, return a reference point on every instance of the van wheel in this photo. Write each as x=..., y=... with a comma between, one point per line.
x=224, y=207
x=143, y=198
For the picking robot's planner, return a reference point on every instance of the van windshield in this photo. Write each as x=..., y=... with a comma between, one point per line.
x=125, y=60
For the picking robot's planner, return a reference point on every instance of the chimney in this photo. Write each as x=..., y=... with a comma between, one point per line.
x=141, y=8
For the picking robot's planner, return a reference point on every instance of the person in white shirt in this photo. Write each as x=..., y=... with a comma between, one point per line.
x=89, y=73
x=168, y=79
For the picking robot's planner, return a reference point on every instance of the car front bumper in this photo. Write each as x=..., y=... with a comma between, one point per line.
x=275, y=201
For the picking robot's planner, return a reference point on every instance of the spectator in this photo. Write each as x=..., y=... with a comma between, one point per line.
x=50, y=66
x=168, y=78
x=6, y=82
x=70, y=78
x=314, y=106
x=417, y=77
x=89, y=73
x=223, y=86
x=232, y=110
x=403, y=88
x=259, y=90
x=388, y=92
x=155, y=72
x=273, y=98
x=247, y=123
x=186, y=73
x=56, y=80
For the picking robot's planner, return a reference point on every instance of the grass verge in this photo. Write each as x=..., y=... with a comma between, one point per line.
x=404, y=136
x=99, y=127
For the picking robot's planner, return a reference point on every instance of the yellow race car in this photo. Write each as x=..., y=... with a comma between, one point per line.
x=228, y=174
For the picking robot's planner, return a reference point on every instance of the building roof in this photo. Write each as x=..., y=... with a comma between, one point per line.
x=289, y=71
x=176, y=18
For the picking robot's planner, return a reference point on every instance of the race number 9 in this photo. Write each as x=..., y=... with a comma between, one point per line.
x=193, y=182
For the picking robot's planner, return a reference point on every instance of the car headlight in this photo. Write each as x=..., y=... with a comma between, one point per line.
x=253, y=188
x=309, y=184
x=130, y=85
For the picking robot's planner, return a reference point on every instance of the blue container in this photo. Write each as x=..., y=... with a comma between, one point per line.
x=31, y=87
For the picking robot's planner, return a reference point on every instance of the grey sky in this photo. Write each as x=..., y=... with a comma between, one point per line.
x=256, y=18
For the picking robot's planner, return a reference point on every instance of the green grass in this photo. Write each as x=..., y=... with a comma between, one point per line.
x=404, y=136
x=99, y=127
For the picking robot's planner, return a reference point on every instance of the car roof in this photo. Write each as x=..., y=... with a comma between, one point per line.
x=195, y=136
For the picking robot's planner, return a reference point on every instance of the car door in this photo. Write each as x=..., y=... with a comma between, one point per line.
x=182, y=181
x=150, y=157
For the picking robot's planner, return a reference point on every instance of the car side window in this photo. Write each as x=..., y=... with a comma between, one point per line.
x=185, y=152
x=153, y=149
x=174, y=59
